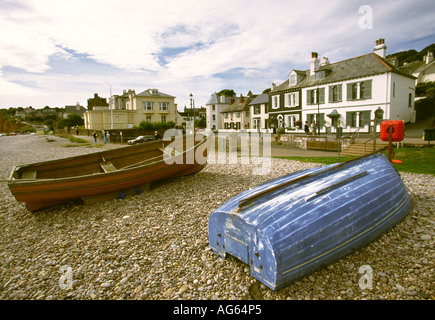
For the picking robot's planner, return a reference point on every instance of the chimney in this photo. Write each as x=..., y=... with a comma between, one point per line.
x=380, y=48
x=314, y=63
x=273, y=86
x=241, y=98
x=429, y=57
x=324, y=62
x=231, y=101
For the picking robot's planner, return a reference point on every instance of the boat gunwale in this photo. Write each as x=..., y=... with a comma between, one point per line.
x=29, y=182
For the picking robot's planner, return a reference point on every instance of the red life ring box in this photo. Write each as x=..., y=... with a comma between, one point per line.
x=397, y=128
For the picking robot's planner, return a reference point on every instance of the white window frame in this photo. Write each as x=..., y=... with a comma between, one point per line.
x=163, y=106
x=148, y=105
x=275, y=102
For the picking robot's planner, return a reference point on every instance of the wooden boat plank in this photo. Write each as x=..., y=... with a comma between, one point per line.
x=89, y=200
x=83, y=176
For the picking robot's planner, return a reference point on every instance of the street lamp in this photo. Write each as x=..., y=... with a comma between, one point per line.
x=379, y=115
x=192, y=102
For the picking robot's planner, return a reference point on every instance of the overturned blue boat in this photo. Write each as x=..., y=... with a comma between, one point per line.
x=291, y=226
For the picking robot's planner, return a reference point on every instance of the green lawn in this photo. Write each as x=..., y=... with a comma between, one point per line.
x=416, y=160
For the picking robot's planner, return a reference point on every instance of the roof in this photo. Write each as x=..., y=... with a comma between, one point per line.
x=358, y=67
x=148, y=93
x=260, y=99
x=241, y=104
x=215, y=99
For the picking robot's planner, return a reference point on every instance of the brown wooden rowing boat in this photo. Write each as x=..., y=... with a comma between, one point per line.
x=44, y=184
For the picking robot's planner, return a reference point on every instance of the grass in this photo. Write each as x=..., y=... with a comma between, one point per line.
x=78, y=140
x=415, y=160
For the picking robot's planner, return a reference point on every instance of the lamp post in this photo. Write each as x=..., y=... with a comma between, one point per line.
x=379, y=114
x=318, y=112
x=192, y=114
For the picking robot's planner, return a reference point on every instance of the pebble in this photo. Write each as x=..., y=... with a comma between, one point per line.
x=155, y=245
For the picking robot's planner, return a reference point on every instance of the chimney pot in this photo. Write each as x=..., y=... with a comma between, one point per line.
x=314, y=63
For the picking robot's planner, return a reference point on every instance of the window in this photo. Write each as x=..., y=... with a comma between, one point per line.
x=410, y=100
x=256, y=123
x=147, y=106
x=213, y=107
x=237, y=114
x=163, y=106
x=320, y=74
x=364, y=118
x=226, y=115
x=354, y=91
x=335, y=93
x=257, y=109
x=163, y=118
x=360, y=90
x=148, y=118
x=292, y=79
x=214, y=117
x=351, y=119
x=275, y=102
x=319, y=118
x=312, y=96
x=292, y=99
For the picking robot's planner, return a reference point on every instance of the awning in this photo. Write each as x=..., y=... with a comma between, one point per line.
x=334, y=113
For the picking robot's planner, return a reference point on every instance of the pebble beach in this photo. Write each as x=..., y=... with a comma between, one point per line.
x=154, y=246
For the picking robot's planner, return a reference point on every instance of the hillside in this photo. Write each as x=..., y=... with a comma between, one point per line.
x=412, y=54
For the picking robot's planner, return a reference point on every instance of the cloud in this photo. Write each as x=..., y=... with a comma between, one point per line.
x=70, y=49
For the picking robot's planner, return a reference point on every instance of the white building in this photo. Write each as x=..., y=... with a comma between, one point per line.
x=347, y=93
x=214, y=108
x=423, y=70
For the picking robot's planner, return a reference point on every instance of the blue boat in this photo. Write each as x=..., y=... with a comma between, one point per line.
x=289, y=227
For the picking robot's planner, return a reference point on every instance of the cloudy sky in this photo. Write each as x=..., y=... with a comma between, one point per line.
x=59, y=52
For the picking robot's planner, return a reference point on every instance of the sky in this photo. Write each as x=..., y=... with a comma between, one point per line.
x=58, y=52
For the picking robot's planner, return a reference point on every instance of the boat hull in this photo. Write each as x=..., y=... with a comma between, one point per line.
x=45, y=191
x=289, y=227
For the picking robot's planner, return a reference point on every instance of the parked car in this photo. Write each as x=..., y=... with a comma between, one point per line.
x=140, y=139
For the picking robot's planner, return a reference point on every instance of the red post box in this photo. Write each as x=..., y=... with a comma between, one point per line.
x=397, y=128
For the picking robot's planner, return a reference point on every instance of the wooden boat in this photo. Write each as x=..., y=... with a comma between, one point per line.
x=289, y=227
x=44, y=184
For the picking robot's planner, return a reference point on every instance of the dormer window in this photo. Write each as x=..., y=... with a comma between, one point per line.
x=293, y=79
x=154, y=92
x=320, y=74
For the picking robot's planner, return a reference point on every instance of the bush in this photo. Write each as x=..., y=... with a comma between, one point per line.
x=425, y=108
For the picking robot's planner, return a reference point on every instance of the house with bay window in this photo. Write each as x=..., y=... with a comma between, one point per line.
x=130, y=109
x=348, y=93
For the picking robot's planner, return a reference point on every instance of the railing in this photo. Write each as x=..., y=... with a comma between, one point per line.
x=367, y=141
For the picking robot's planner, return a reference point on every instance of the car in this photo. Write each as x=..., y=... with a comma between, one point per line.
x=141, y=139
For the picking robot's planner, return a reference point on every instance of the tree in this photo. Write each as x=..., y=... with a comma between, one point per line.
x=72, y=120
x=227, y=92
